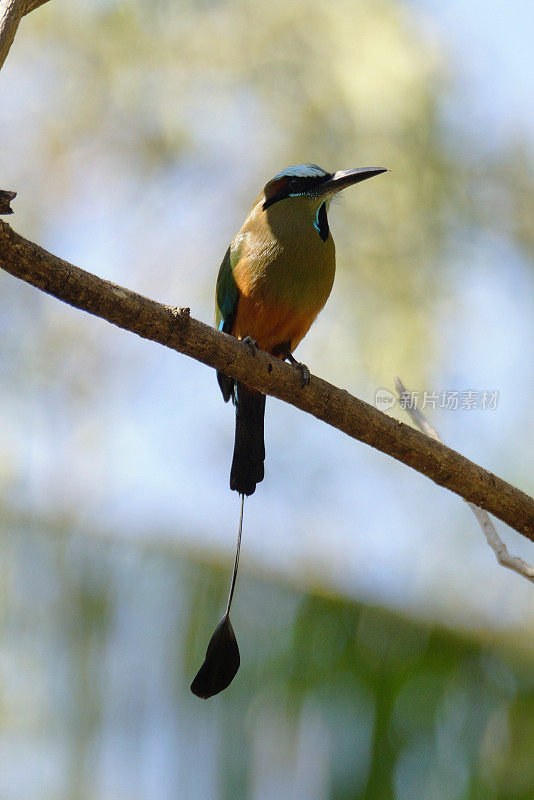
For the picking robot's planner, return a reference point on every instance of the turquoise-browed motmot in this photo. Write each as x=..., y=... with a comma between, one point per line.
x=275, y=277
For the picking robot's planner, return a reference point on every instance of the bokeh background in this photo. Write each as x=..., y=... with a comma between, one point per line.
x=385, y=654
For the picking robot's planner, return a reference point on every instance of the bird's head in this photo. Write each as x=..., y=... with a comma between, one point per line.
x=310, y=181
x=308, y=189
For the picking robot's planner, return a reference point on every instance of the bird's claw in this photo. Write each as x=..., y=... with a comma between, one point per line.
x=304, y=373
x=302, y=368
x=251, y=344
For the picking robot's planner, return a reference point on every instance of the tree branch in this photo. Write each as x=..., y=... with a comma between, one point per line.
x=502, y=554
x=5, y=200
x=11, y=13
x=174, y=328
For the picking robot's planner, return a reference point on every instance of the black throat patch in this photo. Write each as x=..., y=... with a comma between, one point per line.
x=321, y=223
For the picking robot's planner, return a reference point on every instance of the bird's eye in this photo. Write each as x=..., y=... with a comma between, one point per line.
x=293, y=184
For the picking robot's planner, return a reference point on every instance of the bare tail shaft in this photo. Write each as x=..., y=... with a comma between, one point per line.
x=222, y=656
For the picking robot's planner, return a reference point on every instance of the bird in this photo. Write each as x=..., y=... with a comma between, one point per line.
x=275, y=278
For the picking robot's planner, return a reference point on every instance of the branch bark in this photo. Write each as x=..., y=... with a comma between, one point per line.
x=5, y=201
x=11, y=13
x=173, y=327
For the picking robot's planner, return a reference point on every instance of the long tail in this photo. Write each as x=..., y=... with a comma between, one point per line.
x=249, y=448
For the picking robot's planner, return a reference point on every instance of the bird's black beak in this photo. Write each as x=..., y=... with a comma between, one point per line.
x=347, y=177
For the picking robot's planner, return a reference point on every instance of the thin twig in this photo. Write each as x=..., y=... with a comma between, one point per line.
x=11, y=13
x=502, y=554
x=174, y=328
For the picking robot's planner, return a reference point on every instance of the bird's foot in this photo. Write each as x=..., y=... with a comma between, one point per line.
x=302, y=368
x=251, y=344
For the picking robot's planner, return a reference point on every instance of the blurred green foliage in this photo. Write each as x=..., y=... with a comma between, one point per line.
x=100, y=639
